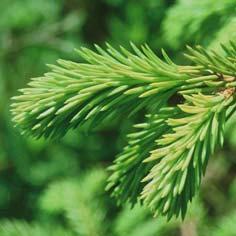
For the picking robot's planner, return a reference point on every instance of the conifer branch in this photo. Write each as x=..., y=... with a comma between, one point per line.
x=128, y=168
x=163, y=164
x=182, y=154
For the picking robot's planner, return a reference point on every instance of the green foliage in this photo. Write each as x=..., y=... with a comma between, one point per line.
x=129, y=168
x=137, y=222
x=225, y=226
x=183, y=154
x=79, y=201
x=21, y=228
x=196, y=21
x=145, y=27
x=226, y=33
x=33, y=33
x=112, y=82
x=27, y=14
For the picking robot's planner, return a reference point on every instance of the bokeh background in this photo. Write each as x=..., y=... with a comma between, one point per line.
x=56, y=187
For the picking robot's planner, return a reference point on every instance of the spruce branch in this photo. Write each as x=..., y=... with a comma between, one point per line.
x=163, y=163
x=182, y=154
x=222, y=65
x=128, y=168
x=110, y=83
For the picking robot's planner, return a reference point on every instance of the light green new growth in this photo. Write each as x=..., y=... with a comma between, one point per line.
x=165, y=159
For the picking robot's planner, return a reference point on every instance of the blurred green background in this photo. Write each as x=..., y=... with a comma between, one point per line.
x=56, y=187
